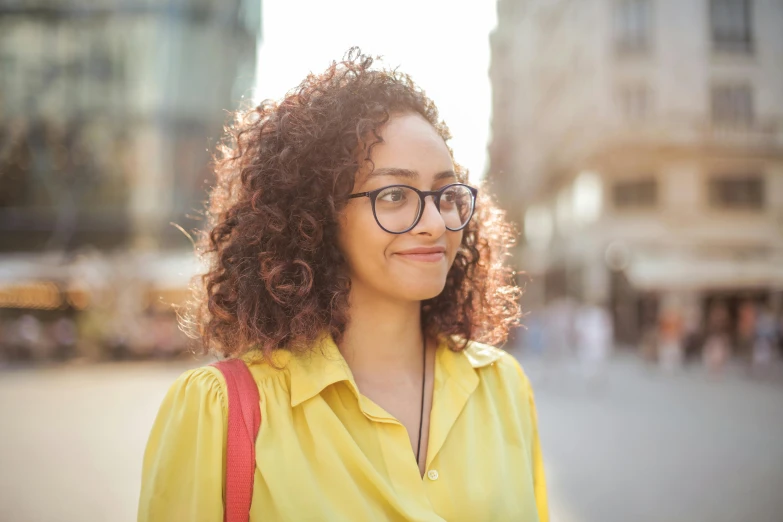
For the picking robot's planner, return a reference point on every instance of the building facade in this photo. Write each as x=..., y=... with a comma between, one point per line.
x=106, y=113
x=109, y=112
x=639, y=144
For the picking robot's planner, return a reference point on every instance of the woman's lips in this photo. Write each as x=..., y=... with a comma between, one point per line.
x=430, y=257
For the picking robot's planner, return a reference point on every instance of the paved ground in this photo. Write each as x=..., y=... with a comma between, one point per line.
x=641, y=447
x=646, y=447
x=73, y=438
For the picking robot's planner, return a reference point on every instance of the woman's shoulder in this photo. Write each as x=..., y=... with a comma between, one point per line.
x=209, y=381
x=204, y=384
x=481, y=354
x=493, y=362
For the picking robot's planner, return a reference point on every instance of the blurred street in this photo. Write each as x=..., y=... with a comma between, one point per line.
x=637, y=444
x=632, y=445
x=74, y=437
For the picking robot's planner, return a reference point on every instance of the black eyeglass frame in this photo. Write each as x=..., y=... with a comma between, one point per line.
x=436, y=195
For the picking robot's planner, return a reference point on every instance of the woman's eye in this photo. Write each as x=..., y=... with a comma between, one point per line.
x=450, y=196
x=392, y=195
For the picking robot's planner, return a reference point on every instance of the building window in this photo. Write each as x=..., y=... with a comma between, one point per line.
x=737, y=192
x=632, y=27
x=634, y=102
x=633, y=194
x=9, y=94
x=731, y=26
x=732, y=105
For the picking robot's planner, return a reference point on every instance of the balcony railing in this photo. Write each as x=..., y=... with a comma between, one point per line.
x=683, y=131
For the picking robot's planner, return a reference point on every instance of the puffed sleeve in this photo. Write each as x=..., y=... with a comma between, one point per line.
x=182, y=472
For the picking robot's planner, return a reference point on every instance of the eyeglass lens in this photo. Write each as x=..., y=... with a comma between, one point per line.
x=396, y=208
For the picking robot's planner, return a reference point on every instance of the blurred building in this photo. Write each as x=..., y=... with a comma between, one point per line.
x=109, y=112
x=639, y=144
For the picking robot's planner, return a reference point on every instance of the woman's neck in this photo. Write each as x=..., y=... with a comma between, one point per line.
x=382, y=336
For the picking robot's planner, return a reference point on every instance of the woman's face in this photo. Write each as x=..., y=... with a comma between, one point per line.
x=412, y=153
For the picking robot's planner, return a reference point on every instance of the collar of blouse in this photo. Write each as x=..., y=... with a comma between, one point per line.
x=456, y=378
x=324, y=365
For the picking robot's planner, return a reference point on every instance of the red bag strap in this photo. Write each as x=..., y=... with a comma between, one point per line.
x=244, y=420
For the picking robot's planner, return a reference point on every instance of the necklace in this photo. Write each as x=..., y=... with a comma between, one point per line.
x=421, y=411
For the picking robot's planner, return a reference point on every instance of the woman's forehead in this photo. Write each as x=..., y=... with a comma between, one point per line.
x=411, y=150
x=409, y=134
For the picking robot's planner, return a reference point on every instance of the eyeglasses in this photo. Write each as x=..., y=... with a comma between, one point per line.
x=398, y=208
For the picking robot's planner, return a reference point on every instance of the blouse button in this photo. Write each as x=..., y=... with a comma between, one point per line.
x=433, y=474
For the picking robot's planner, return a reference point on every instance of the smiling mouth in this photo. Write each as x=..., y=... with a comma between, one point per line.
x=429, y=257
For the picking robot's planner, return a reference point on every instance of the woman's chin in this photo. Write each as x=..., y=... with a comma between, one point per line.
x=421, y=292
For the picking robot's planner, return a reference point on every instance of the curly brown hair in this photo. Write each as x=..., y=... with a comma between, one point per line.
x=276, y=277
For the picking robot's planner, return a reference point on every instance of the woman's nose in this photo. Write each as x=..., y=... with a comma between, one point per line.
x=431, y=221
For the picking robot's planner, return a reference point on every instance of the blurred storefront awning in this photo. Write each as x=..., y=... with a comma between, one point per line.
x=25, y=267
x=48, y=281
x=168, y=270
x=649, y=272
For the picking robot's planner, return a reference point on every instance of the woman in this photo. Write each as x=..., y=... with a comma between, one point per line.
x=354, y=273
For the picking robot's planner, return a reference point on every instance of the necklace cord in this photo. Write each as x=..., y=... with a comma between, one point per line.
x=421, y=411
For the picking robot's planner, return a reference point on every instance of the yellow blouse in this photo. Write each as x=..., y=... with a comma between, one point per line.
x=326, y=452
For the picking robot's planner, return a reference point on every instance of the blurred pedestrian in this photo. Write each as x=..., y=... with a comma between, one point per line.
x=92, y=325
x=35, y=339
x=746, y=329
x=63, y=332
x=779, y=323
x=534, y=338
x=670, y=339
x=765, y=342
x=560, y=335
x=693, y=331
x=352, y=277
x=717, y=347
x=594, y=333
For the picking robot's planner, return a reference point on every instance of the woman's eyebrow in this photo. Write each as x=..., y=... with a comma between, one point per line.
x=408, y=173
